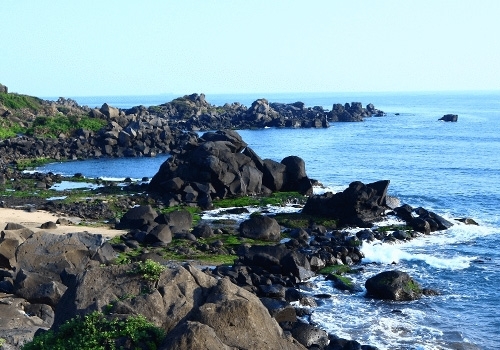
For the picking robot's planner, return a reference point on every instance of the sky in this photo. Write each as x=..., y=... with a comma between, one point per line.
x=124, y=47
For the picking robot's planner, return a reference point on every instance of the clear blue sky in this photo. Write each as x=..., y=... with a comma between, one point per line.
x=104, y=47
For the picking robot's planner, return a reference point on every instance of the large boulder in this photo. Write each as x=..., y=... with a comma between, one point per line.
x=219, y=165
x=50, y=254
x=359, y=204
x=261, y=227
x=138, y=218
x=393, y=285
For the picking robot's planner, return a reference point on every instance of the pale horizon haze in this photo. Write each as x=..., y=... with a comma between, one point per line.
x=106, y=48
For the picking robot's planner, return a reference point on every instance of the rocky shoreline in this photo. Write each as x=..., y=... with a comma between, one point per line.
x=147, y=131
x=254, y=302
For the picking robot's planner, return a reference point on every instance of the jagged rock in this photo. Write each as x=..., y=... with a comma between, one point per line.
x=38, y=288
x=393, y=285
x=359, y=204
x=10, y=240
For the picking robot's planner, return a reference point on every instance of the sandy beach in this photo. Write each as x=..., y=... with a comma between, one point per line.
x=33, y=221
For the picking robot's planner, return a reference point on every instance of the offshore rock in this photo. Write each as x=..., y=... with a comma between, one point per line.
x=449, y=118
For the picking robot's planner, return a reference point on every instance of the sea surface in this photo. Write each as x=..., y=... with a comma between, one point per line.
x=450, y=168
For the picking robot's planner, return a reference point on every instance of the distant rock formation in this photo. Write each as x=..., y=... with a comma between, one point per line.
x=353, y=112
x=3, y=89
x=449, y=118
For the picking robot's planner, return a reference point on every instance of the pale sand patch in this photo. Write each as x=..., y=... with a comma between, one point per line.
x=33, y=221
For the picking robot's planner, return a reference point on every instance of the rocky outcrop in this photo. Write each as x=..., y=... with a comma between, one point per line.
x=393, y=285
x=353, y=112
x=183, y=302
x=3, y=89
x=358, y=205
x=219, y=165
x=449, y=118
x=422, y=220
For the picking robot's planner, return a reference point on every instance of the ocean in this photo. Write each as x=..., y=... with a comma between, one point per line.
x=450, y=168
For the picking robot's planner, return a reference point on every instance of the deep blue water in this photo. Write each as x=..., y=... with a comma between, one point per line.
x=451, y=168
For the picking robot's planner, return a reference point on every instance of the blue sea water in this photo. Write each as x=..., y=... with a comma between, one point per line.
x=450, y=168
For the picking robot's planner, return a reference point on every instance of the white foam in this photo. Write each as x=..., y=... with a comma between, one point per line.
x=384, y=253
x=218, y=214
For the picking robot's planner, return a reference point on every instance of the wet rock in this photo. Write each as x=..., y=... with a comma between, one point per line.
x=393, y=285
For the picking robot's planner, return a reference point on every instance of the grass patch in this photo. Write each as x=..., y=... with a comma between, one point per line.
x=24, y=164
x=277, y=198
x=52, y=127
x=17, y=101
x=9, y=129
x=299, y=220
x=336, y=270
x=95, y=331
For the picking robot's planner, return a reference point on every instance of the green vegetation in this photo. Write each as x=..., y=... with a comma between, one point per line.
x=336, y=270
x=95, y=331
x=17, y=101
x=277, y=198
x=2, y=342
x=23, y=164
x=413, y=286
x=10, y=129
x=299, y=220
x=52, y=127
x=149, y=269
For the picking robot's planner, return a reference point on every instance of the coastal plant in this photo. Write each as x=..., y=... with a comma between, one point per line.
x=149, y=270
x=95, y=331
x=17, y=101
x=53, y=126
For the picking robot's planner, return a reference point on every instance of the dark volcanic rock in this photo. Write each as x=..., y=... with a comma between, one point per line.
x=449, y=118
x=359, y=204
x=393, y=285
x=138, y=218
x=218, y=165
x=196, y=311
x=262, y=228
